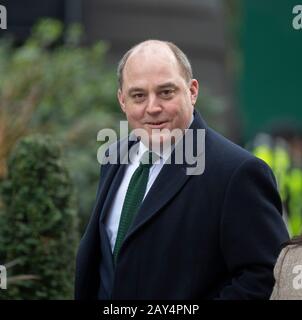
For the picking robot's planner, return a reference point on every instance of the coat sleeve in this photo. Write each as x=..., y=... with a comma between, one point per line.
x=252, y=231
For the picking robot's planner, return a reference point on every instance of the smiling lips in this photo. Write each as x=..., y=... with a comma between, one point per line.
x=157, y=124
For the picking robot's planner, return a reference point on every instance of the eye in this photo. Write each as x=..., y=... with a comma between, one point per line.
x=167, y=93
x=138, y=97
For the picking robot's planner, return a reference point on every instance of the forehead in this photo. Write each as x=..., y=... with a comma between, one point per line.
x=154, y=65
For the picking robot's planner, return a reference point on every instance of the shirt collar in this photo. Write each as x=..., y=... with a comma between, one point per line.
x=164, y=156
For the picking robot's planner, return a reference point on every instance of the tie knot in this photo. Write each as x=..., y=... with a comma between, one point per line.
x=148, y=158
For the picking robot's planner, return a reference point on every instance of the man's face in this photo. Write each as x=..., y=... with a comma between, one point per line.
x=155, y=94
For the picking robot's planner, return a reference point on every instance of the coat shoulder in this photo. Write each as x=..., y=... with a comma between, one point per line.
x=227, y=155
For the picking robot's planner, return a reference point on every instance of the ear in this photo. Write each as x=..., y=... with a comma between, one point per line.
x=194, y=88
x=121, y=99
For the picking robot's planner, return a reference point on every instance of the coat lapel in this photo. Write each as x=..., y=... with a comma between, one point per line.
x=116, y=176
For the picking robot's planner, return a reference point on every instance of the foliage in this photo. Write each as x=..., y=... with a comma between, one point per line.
x=51, y=84
x=40, y=222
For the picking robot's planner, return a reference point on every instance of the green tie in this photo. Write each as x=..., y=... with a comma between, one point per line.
x=134, y=196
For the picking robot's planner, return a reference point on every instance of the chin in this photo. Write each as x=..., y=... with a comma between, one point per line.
x=160, y=141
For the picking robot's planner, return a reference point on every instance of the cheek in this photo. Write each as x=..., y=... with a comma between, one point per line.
x=181, y=113
x=178, y=108
x=174, y=107
x=134, y=115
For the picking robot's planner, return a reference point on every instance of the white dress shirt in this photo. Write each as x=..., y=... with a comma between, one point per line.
x=114, y=214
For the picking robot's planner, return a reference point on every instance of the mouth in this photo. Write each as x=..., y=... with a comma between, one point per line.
x=156, y=124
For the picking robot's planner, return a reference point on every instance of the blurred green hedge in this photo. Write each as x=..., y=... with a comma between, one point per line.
x=38, y=222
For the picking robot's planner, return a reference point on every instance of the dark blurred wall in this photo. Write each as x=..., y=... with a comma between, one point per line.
x=22, y=14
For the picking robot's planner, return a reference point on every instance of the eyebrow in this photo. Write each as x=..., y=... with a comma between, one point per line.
x=167, y=85
x=135, y=89
x=162, y=86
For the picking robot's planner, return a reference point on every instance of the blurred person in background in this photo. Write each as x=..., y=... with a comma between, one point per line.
x=288, y=272
x=281, y=149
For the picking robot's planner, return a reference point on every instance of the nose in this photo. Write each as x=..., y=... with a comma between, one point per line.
x=153, y=105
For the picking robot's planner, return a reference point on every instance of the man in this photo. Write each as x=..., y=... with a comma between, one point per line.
x=213, y=235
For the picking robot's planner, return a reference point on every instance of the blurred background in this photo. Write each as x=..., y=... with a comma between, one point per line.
x=58, y=87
